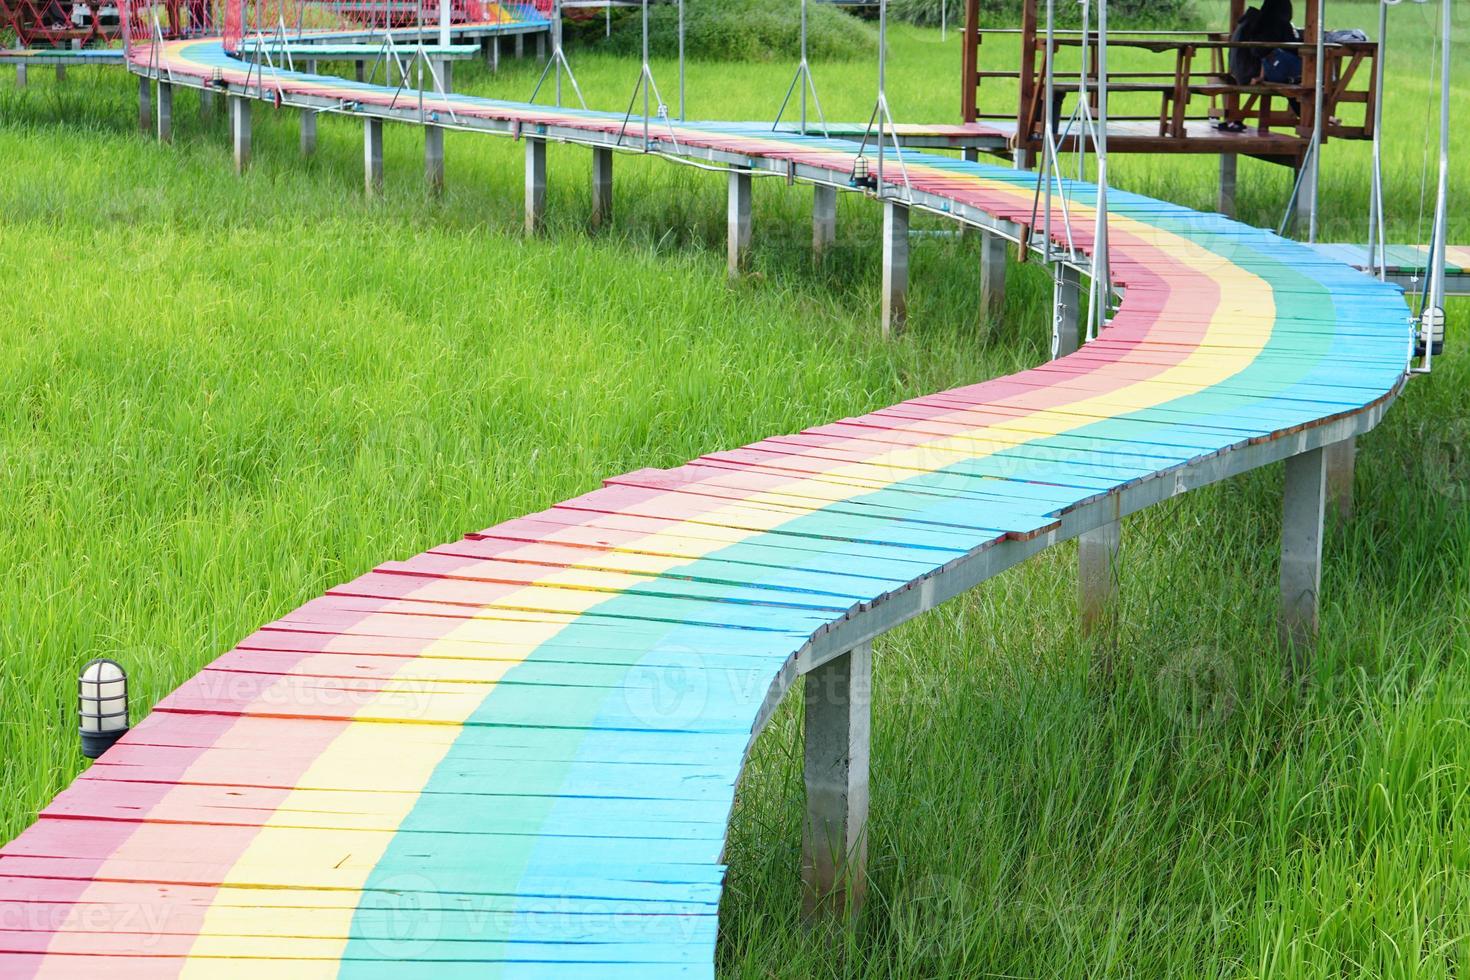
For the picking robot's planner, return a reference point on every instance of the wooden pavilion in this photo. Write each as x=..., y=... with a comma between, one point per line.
x=1179, y=102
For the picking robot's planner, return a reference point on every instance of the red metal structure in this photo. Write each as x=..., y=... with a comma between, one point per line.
x=249, y=17
x=58, y=23
x=97, y=23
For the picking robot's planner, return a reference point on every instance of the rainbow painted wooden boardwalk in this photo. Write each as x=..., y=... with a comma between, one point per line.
x=1406, y=264
x=515, y=755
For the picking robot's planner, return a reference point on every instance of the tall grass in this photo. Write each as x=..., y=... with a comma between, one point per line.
x=227, y=395
x=734, y=30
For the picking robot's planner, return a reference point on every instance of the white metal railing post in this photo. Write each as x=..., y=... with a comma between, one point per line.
x=1315, y=150
x=1097, y=316
x=558, y=62
x=1048, y=153
x=882, y=90
x=882, y=117
x=649, y=88
x=646, y=140
x=1375, y=186
x=1432, y=315
x=804, y=79
x=803, y=66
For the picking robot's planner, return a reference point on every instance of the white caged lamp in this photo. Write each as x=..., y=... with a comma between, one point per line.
x=102, y=705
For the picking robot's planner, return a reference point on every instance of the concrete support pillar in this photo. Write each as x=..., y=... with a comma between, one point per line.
x=1342, y=460
x=992, y=274
x=145, y=103
x=22, y=75
x=520, y=46
x=308, y=122
x=165, y=112
x=1068, y=308
x=824, y=219
x=308, y=132
x=359, y=70
x=1306, y=196
x=737, y=238
x=445, y=68
x=434, y=158
x=1097, y=577
x=240, y=131
x=1301, y=552
x=834, y=849
x=61, y=73
x=541, y=46
x=206, y=103
x=490, y=51
x=434, y=135
x=1021, y=160
x=1226, y=202
x=372, y=156
x=969, y=154
x=895, y=266
x=535, y=183
x=602, y=185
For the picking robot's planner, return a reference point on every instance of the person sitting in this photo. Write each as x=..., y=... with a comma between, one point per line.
x=1270, y=24
x=1257, y=64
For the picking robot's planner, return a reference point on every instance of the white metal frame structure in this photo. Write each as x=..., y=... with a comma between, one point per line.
x=1051, y=188
x=882, y=117
x=805, y=82
x=556, y=64
x=649, y=88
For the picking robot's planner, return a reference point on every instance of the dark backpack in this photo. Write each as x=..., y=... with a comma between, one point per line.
x=1245, y=63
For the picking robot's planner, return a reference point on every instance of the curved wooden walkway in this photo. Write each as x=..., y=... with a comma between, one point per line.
x=515, y=755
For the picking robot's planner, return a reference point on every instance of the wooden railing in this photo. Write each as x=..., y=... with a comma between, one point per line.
x=1193, y=85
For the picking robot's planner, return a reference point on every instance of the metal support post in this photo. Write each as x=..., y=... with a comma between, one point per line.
x=1303, y=504
x=738, y=220
x=165, y=111
x=1226, y=201
x=372, y=156
x=434, y=135
x=434, y=158
x=145, y=103
x=1067, y=309
x=535, y=183
x=824, y=219
x=308, y=122
x=1306, y=194
x=895, y=266
x=838, y=698
x=1341, y=462
x=1097, y=577
x=602, y=185
x=992, y=273
x=240, y=131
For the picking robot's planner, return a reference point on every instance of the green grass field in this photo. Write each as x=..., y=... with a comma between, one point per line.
x=226, y=395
